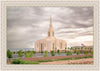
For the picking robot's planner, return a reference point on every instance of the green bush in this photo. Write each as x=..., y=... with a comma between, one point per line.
x=45, y=61
x=92, y=52
x=42, y=52
x=71, y=48
x=45, y=55
x=34, y=52
x=85, y=52
x=29, y=54
x=74, y=51
x=58, y=51
x=20, y=53
x=77, y=52
x=65, y=49
x=68, y=53
x=23, y=52
x=81, y=48
x=52, y=53
x=9, y=54
x=18, y=61
x=14, y=52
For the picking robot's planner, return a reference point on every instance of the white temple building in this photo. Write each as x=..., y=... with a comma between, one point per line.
x=50, y=42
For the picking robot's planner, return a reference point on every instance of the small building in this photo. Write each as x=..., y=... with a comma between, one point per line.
x=50, y=42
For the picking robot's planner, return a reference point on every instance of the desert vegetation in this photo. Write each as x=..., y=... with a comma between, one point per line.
x=71, y=54
x=37, y=61
x=9, y=54
x=29, y=54
x=45, y=55
x=52, y=53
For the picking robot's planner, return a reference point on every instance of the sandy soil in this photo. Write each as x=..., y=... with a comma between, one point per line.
x=53, y=57
x=79, y=61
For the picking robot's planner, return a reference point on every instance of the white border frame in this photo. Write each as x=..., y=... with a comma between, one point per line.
x=5, y=66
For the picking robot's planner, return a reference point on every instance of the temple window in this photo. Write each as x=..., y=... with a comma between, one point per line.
x=61, y=45
x=49, y=33
x=52, y=33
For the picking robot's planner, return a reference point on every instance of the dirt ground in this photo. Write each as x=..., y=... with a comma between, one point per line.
x=79, y=61
x=53, y=57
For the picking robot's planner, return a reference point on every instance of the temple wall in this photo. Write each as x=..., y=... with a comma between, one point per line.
x=48, y=45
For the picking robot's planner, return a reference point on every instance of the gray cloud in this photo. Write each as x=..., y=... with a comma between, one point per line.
x=25, y=25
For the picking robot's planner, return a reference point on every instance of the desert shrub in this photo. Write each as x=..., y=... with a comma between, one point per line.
x=58, y=51
x=9, y=54
x=74, y=51
x=14, y=52
x=29, y=54
x=20, y=53
x=65, y=49
x=18, y=61
x=92, y=52
x=52, y=53
x=27, y=62
x=85, y=52
x=68, y=53
x=23, y=52
x=45, y=55
x=81, y=48
x=77, y=52
x=45, y=60
x=42, y=52
x=72, y=48
x=34, y=52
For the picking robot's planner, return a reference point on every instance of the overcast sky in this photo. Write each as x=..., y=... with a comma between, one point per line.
x=25, y=25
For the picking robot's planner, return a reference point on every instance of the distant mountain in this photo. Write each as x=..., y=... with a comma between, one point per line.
x=23, y=49
x=81, y=46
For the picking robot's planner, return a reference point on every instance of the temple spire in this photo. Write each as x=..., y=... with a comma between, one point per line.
x=50, y=20
x=51, y=30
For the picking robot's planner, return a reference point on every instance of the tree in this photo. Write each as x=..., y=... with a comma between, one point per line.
x=58, y=51
x=91, y=49
x=85, y=52
x=45, y=55
x=85, y=48
x=34, y=52
x=81, y=48
x=65, y=49
x=78, y=52
x=14, y=52
x=75, y=49
x=42, y=52
x=52, y=53
x=92, y=52
x=29, y=54
x=68, y=53
x=9, y=54
x=71, y=48
x=20, y=53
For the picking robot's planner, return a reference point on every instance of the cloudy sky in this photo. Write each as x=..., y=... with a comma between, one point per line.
x=25, y=25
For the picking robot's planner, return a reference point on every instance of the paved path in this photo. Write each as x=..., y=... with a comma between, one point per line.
x=79, y=61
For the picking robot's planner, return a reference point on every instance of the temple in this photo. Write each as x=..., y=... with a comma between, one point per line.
x=50, y=42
